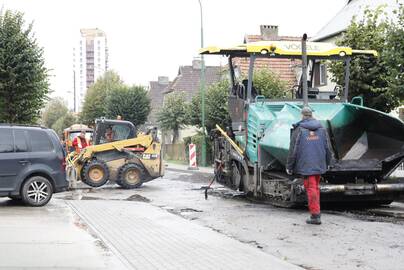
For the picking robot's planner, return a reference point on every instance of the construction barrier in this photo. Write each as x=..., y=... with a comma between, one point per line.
x=192, y=157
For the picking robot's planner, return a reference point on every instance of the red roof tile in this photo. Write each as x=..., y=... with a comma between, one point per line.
x=285, y=68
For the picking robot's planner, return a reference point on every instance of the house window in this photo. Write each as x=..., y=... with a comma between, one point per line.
x=323, y=74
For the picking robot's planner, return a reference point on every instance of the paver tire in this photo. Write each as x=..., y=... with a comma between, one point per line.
x=131, y=176
x=96, y=173
x=36, y=191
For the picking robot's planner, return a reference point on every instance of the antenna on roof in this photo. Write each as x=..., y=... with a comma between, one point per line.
x=304, y=70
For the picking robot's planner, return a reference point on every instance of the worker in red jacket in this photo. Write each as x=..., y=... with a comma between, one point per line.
x=80, y=142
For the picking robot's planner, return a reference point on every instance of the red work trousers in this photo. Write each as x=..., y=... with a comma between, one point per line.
x=311, y=184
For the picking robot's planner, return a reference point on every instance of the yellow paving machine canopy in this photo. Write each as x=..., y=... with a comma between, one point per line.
x=287, y=49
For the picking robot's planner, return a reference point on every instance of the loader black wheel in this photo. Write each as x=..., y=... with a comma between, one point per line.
x=131, y=176
x=96, y=173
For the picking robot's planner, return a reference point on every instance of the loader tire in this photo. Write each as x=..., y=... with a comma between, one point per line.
x=131, y=176
x=96, y=173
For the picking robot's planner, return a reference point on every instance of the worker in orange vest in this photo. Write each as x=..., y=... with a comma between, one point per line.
x=80, y=142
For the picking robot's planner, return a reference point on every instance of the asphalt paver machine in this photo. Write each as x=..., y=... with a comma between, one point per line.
x=250, y=155
x=119, y=155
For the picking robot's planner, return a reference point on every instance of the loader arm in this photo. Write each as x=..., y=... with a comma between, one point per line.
x=144, y=141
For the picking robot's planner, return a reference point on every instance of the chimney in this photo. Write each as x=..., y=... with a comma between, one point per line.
x=196, y=64
x=163, y=80
x=269, y=32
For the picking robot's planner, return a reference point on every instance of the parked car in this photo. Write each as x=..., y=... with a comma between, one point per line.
x=32, y=164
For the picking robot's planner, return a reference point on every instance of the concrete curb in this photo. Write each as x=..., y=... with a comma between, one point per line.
x=185, y=168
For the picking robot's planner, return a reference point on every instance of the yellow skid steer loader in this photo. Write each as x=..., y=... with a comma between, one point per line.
x=118, y=155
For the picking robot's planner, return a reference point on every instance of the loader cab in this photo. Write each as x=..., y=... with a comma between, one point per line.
x=107, y=131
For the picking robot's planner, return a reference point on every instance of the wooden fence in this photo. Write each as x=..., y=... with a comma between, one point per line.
x=175, y=152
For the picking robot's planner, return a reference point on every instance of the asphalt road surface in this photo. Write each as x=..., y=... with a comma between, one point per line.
x=226, y=231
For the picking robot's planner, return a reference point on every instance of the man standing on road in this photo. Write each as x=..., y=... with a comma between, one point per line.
x=309, y=156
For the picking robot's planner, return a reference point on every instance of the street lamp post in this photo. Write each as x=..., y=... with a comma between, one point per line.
x=74, y=91
x=202, y=86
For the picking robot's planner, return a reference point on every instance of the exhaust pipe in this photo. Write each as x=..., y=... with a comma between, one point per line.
x=363, y=189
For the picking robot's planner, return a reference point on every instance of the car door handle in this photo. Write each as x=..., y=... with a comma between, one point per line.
x=23, y=162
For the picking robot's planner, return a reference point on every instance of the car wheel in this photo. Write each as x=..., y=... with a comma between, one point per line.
x=37, y=191
x=131, y=176
x=96, y=173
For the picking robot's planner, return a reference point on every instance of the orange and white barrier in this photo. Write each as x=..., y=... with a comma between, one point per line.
x=192, y=157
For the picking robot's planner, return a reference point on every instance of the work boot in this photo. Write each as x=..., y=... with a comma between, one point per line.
x=314, y=219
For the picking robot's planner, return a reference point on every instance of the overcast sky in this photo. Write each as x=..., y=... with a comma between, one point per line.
x=151, y=38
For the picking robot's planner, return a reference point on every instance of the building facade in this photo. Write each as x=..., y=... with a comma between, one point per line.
x=189, y=78
x=156, y=95
x=188, y=82
x=90, y=61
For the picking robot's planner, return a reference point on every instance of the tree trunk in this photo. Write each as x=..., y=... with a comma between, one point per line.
x=175, y=135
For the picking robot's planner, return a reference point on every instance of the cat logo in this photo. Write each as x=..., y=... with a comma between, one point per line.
x=150, y=156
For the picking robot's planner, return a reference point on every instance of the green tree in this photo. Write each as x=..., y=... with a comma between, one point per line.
x=394, y=56
x=54, y=110
x=63, y=122
x=373, y=78
x=95, y=100
x=24, y=78
x=216, y=109
x=130, y=102
x=269, y=84
x=174, y=114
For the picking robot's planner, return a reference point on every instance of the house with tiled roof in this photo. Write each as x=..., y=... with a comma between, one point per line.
x=284, y=68
x=354, y=8
x=189, y=78
x=188, y=81
x=340, y=22
x=156, y=95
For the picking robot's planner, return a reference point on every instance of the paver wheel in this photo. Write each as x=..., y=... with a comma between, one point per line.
x=36, y=191
x=96, y=173
x=130, y=176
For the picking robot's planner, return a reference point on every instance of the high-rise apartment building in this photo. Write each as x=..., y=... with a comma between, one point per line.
x=90, y=61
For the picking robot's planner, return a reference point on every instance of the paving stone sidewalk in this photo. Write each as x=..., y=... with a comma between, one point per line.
x=148, y=237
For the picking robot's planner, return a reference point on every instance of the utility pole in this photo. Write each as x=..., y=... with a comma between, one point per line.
x=202, y=86
x=74, y=90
